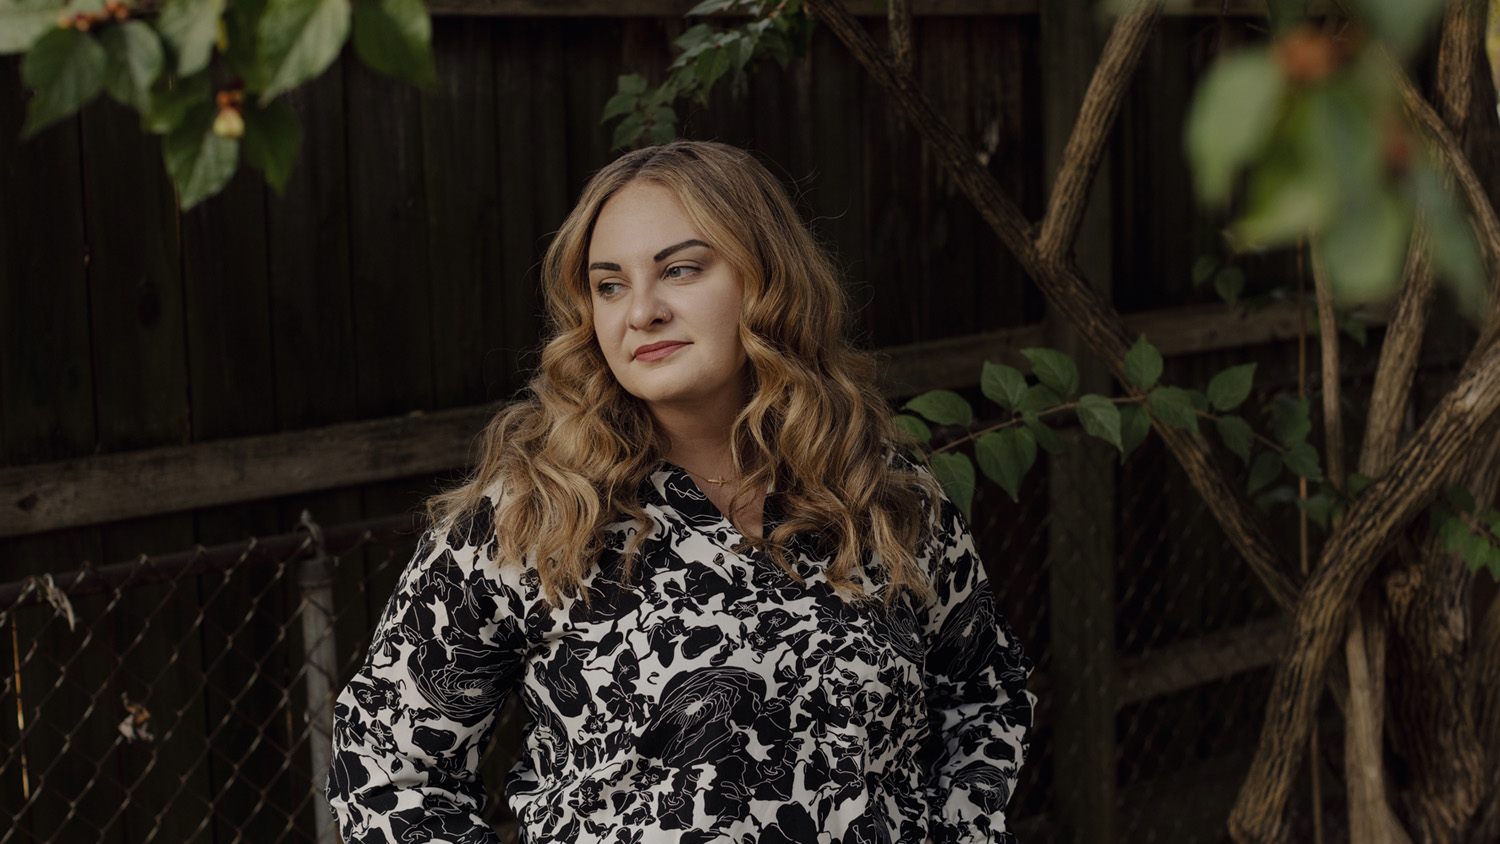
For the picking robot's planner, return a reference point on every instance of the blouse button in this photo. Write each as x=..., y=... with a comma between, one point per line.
x=718, y=558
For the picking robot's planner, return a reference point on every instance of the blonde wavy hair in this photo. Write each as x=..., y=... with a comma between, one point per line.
x=569, y=458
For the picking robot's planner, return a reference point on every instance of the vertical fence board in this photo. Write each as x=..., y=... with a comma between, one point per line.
x=592, y=56
x=231, y=373
x=894, y=214
x=136, y=295
x=837, y=191
x=463, y=221
x=1081, y=492
x=533, y=179
x=47, y=413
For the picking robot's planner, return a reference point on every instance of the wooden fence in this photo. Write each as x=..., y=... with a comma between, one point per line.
x=176, y=379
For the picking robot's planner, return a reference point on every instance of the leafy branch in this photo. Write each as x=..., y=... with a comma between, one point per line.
x=778, y=30
x=206, y=75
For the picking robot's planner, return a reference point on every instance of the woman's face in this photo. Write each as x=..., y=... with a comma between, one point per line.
x=666, y=304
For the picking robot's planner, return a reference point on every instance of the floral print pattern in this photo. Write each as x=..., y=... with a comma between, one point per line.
x=714, y=699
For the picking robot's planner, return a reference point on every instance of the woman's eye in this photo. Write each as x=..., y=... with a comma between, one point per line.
x=681, y=271
x=608, y=289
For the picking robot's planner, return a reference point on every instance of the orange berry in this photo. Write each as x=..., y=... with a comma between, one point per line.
x=1307, y=54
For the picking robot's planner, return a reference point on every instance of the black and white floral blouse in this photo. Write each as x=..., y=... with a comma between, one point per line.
x=714, y=700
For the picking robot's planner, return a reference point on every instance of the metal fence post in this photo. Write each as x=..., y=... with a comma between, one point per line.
x=315, y=581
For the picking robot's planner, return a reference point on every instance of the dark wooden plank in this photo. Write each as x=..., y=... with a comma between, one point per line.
x=47, y=414
x=533, y=186
x=98, y=489
x=136, y=297
x=391, y=283
x=227, y=286
x=836, y=190
x=1006, y=104
x=894, y=212
x=592, y=58
x=463, y=208
x=1082, y=486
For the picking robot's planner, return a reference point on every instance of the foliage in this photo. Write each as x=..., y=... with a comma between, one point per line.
x=1314, y=125
x=206, y=75
x=1006, y=450
x=778, y=30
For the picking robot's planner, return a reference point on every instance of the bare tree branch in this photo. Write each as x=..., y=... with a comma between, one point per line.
x=1370, y=816
x=1101, y=105
x=1348, y=559
x=899, y=16
x=1095, y=320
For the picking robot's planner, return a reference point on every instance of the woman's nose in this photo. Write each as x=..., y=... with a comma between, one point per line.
x=647, y=307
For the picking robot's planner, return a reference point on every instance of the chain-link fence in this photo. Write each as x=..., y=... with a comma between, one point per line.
x=187, y=697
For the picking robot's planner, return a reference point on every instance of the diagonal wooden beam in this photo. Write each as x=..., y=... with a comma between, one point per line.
x=1059, y=280
x=1085, y=148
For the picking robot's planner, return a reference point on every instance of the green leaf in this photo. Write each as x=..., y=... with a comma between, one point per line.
x=1003, y=385
x=944, y=407
x=172, y=98
x=22, y=22
x=914, y=428
x=272, y=138
x=133, y=61
x=708, y=7
x=621, y=103
x=66, y=67
x=200, y=162
x=1453, y=532
x=1302, y=460
x=955, y=472
x=1230, y=388
x=1455, y=250
x=1204, y=269
x=712, y=63
x=1143, y=364
x=1005, y=456
x=1290, y=424
x=1173, y=406
x=629, y=131
x=394, y=37
x=1318, y=507
x=632, y=83
x=1237, y=435
x=299, y=39
x=1045, y=436
x=241, y=55
x=1266, y=467
x=1476, y=551
x=1054, y=369
x=1101, y=418
x=695, y=38
x=1485, y=556
x=1232, y=115
x=1135, y=426
x=1403, y=24
x=1277, y=495
x=191, y=27
x=1459, y=498
x=1365, y=245
x=1357, y=483
x=1039, y=397
x=1229, y=283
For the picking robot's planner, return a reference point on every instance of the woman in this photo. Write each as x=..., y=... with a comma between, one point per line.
x=733, y=609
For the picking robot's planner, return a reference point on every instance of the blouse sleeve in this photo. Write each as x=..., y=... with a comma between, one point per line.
x=410, y=727
x=975, y=676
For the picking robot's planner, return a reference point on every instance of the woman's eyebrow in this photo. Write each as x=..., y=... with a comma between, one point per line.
x=662, y=255
x=657, y=258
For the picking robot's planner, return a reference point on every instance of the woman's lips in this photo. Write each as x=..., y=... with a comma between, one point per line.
x=657, y=351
